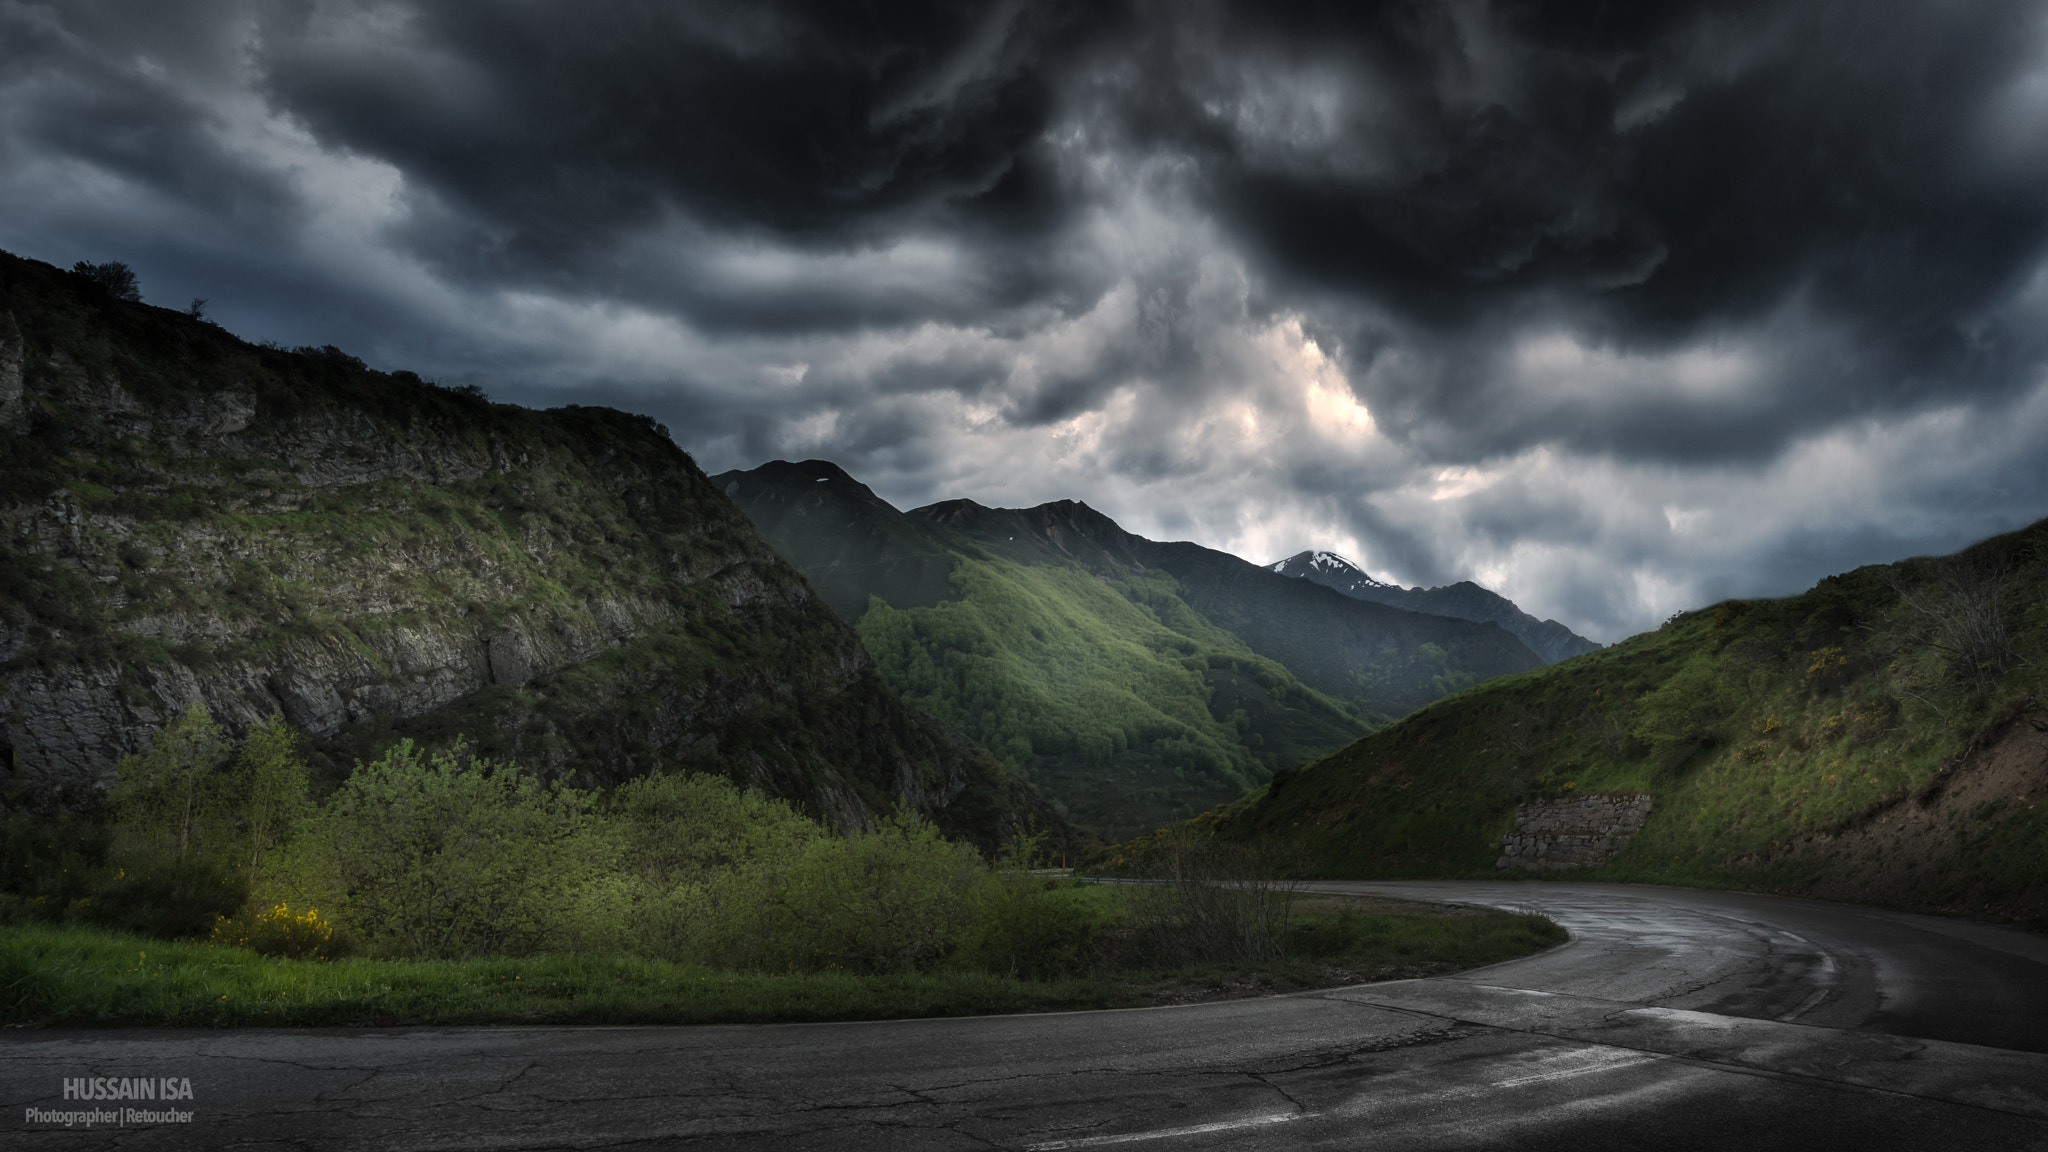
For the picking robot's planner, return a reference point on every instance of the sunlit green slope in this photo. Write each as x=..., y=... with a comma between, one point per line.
x=1136, y=683
x=1877, y=738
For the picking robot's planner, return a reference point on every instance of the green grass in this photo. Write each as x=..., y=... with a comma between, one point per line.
x=1763, y=731
x=73, y=975
x=54, y=975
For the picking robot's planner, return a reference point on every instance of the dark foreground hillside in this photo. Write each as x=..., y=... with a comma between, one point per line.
x=187, y=516
x=1879, y=738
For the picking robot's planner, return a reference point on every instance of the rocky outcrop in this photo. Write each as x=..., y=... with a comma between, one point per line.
x=1580, y=832
x=13, y=414
x=187, y=517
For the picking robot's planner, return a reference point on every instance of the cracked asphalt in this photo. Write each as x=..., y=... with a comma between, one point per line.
x=1674, y=1019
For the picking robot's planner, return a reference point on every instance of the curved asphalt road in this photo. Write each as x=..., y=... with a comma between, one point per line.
x=1674, y=1019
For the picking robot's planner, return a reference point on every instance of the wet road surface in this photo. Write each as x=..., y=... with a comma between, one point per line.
x=1674, y=1019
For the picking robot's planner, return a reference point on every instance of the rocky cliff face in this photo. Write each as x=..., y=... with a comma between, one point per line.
x=185, y=516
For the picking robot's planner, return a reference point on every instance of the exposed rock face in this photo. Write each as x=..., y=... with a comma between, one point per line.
x=13, y=416
x=1581, y=832
x=184, y=516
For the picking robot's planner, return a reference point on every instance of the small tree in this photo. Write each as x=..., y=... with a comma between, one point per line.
x=171, y=800
x=269, y=781
x=113, y=278
x=175, y=825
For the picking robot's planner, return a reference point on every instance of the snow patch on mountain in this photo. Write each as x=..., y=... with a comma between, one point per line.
x=1464, y=600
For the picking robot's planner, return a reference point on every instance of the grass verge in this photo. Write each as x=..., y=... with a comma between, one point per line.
x=52, y=975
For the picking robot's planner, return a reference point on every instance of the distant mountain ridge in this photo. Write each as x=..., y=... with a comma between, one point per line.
x=1135, y=681
x=1463, y=600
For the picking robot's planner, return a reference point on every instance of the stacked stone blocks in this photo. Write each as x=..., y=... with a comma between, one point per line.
x=1579, y=832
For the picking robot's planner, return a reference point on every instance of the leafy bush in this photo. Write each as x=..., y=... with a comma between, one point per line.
x=48, y=862
x=699, y=863
x=1022, y=923
x=279, y=931
x=890, y=900
x=1025, y=926
x=1684, y=714
x=165, y=897
x=269, y=780
x=113, y=278
x=443, y=854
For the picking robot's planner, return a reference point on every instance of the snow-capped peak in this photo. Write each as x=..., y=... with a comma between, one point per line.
x=1329, y=568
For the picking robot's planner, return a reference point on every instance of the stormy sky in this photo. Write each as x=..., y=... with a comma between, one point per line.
x=1618, y=308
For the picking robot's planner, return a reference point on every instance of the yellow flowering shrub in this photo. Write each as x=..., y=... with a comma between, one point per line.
x=279, y=931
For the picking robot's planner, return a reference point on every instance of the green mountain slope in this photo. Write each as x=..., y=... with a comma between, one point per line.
x=1135, y=682
x=1383, y=662
x=186, y=516
x=1878, y=738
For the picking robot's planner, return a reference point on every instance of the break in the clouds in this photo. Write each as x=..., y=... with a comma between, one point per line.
x=1616, y=308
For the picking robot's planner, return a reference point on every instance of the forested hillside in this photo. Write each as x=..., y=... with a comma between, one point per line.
x=190, y=517
x=1880, y=738
x=1135, y=682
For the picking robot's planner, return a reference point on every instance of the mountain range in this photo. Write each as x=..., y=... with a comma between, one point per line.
x=1133, y=681
x=190, y=517
x=1464, y=600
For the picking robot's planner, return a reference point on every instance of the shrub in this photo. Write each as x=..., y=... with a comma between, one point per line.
x=269, y=781
x=1685, y=713
x=279, y=931
x=48, y=861
x=700, y=862
x=166, y=896
x=889, y=900
x=446, y=855
x=1209, y=901
x=1020, y=923
x=113, y=278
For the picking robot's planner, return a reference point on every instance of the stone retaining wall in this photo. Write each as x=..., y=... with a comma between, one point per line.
x=1581, y=832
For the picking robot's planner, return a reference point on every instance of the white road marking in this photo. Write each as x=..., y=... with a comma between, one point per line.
x=1805, y=1006
x=1163, y=1133
x=1603, y=1060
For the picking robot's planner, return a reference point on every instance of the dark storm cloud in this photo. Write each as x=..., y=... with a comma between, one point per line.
x=545, y=139
x=1652, y=173
x=1623, y=302
x=66, y=94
